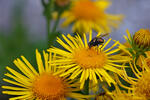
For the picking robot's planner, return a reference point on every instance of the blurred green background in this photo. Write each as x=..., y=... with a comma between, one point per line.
x=15, y=41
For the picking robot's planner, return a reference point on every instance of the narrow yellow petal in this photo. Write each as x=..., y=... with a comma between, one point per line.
x=98, y=74
x=94, y=77
x=73, y=40
x=12, y=82
x=82, y=83
x=112, y=69
x=85, y=40
x=20, y=80
x=46, y=61
x=116, y=43
x=90, y=35
x=17, y=74
x=76, y=73
x=24, y=68
x=80, y=41
x=117, y=65
x=112, y=51
x=68, y=41
x=64, y=44
x=59, y=51
x=99, y=33
x=105, y=44
x=129, y=35
x=82, y=76
x=29, y=65
x=107, y=77
x=90, y=75
x=13, y=88
x=16, y=92
x=70, y=71
x=39, y=62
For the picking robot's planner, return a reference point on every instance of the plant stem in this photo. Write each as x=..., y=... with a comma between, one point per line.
x=48, y=30
x=56, y=23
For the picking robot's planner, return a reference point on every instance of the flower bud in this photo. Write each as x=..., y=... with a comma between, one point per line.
x=142, y=38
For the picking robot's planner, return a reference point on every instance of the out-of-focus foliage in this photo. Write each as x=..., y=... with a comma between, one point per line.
x=16, y=42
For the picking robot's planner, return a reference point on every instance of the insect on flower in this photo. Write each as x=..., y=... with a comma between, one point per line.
x=97, y=40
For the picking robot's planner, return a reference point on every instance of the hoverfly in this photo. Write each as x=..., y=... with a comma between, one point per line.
x=97, y=40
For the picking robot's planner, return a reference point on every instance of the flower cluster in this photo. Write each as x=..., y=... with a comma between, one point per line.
x=82, y=66
x=78, y=66
x=88, y=15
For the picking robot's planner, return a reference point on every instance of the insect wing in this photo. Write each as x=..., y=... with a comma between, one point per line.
x=103, y=35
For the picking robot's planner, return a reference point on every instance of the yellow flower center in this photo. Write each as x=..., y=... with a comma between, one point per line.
x=143, y=85
x=48, y=87
x=142, y=37
x=87, y=10
x=90, y=58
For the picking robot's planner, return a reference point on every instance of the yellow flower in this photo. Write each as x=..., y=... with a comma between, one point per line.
x=87, y=15
x=138, y=44
x=140, y=84
x=145, y=58
x=44, y=84
x=118, y=94
x=80, y=60
x=142, y=38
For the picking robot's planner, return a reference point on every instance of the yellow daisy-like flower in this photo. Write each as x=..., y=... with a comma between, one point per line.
x=87, y=15
x=42, y=85
x=88, y=63
x=141, y=84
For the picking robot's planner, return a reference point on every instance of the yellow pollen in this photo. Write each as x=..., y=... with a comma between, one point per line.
x=90, y=58
x=87, y=10
x=48, y=87
x=143, y=85
x=142, y=37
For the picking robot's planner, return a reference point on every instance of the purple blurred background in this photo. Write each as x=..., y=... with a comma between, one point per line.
x=136, y=12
